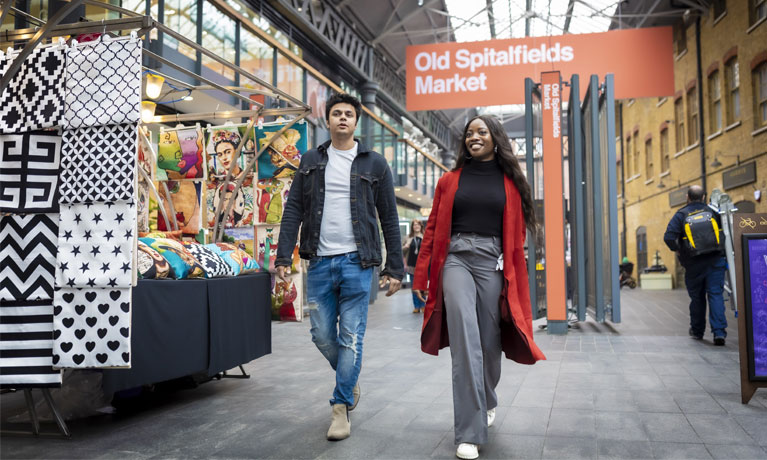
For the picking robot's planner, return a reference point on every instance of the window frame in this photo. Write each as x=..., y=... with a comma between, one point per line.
x=759, y=79
x=648, y=161
x=715, y=102
x=665, y=154
x=679, y=123
x=732, y=90
x=692, y=116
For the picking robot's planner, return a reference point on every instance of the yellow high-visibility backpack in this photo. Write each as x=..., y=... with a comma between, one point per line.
x=701, y=234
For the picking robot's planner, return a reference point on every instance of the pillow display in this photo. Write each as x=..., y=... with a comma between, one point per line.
x=238, y=259
x=213, y=264
x=173, y=234
x=182, y=263
x=151, y=265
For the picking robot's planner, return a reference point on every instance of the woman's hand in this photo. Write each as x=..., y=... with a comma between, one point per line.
x=422, y=295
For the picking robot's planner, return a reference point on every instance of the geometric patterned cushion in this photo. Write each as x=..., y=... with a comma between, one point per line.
x=213, y=264
x=239, y=260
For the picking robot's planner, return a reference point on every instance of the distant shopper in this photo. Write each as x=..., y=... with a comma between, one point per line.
x=339, y=189
x=473, y=260
x=411, y=248
x=695, y=234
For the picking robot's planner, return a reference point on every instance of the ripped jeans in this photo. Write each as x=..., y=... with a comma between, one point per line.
x=340, y=289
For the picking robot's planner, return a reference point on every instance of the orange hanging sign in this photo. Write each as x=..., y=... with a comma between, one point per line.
x=475, y=74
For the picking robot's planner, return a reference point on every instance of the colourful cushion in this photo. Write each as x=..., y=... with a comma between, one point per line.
x=151, y=265
x=181, y=261
x=174, y=234
x=213, y=264
x=238, y=260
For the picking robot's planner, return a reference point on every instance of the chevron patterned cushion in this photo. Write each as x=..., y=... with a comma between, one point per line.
x=28, y=256
x=213, y=264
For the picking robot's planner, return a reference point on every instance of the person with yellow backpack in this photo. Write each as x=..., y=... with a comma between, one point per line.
x=695, y=234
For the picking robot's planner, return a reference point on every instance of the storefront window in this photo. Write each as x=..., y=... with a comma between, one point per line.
x=218, y=33
x=256, y=57
x=290, y=77
x=316, y=95
x=94, y=12
x=412, y=166
x=180, y=16
x=389, y=149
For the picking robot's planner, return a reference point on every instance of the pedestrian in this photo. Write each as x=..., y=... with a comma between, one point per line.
x=411, y=248
x=336, y=194
x=695, y=234
x=472, y=259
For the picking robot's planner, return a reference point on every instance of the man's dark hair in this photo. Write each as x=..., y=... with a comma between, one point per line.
x=343, y=98
x=695, y=193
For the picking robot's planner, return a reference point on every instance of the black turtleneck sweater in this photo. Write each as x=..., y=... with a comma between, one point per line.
x=479, y=200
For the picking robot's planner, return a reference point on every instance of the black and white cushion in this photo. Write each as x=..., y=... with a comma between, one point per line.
x=27, y=256
x=29, y=172
x=26, y=344
x=34, y=96
x=98, y=164
x=213, y=264
x=96, y=245
x=103, y=83
x=91, y=327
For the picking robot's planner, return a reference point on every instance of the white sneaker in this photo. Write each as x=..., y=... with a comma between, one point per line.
x=490, y=417
x=467, y=451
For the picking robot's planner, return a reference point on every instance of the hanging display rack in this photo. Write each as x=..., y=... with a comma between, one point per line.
x=295, y=111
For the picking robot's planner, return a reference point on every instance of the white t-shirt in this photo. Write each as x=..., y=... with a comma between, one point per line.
x=336, y=234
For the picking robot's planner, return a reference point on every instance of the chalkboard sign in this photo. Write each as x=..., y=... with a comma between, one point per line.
x=755, y=306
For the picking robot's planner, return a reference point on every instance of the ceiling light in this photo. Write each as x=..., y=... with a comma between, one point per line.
x=409, y=195
x=154, y=85
x=188, y=98
x=147, y=111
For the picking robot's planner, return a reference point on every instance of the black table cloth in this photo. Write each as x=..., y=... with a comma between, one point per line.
x=184, y=327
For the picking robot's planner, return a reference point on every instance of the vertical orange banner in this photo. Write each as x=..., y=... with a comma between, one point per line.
x=553, y=196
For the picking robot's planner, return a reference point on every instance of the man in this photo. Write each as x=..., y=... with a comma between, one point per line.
x=704, y=262
x=336, y=193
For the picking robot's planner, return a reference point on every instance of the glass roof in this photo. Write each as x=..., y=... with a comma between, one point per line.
x=471, y=21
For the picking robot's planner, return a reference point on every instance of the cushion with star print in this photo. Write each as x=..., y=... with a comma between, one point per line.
x=213, y=264
x=151, y=265
x=182, y=262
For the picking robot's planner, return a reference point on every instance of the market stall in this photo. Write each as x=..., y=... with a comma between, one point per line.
x=129, y=245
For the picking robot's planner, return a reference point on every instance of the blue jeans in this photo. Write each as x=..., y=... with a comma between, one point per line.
x=418, y=303
x=340, y=288
x=703, y=281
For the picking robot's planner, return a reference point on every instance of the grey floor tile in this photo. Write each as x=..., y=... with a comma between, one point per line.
x=755, y=427
x=626, y=426
x=534, y=398
x=679, y=451
x=511, y=446
x=731, y=403
x=610, y=449
x=573, y=399
x=715, y=429
x=617, y=400
x=412, y=444
x=727, y=452
x=668, y=428
x=655, y=401
x=697, y=402
x=434, y=417
x=525, y=421
x=572, y=422
x=569, y=448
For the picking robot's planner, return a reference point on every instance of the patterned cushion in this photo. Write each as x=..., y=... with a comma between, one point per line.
x=173, y=235
x=182, y=262
x=213, y=264
x=151, y=265
x=238, y=260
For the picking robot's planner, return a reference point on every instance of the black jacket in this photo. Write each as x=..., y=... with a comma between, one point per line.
x=674, y=230
x=372, y=194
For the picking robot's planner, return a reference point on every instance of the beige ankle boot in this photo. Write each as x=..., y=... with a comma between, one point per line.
x=340, y=426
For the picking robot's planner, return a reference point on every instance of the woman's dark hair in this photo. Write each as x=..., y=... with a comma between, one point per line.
x=343, y=98
x=508, y=161
x=412, y=227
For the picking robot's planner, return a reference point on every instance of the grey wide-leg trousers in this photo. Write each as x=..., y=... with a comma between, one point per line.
x=471, y=285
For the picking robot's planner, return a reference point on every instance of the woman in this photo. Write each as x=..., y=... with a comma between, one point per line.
x=411, y=247
x=472, y=258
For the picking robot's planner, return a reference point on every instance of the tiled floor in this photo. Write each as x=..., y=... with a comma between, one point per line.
x=639, y=389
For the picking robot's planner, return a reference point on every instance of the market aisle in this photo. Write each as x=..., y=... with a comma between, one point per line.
x=642, y=389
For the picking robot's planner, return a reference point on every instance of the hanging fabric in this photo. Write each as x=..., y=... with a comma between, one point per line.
x=29, y=168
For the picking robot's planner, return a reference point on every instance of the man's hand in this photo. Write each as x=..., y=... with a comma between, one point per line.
x=282, y=272
x=394, y=285
x=421, y=295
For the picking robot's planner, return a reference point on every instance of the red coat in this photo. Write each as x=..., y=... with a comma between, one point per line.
x=516, y=316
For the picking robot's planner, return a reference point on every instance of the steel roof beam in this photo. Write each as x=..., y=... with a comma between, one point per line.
x=569, y=16
x=491, y=17
x=402, y=22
